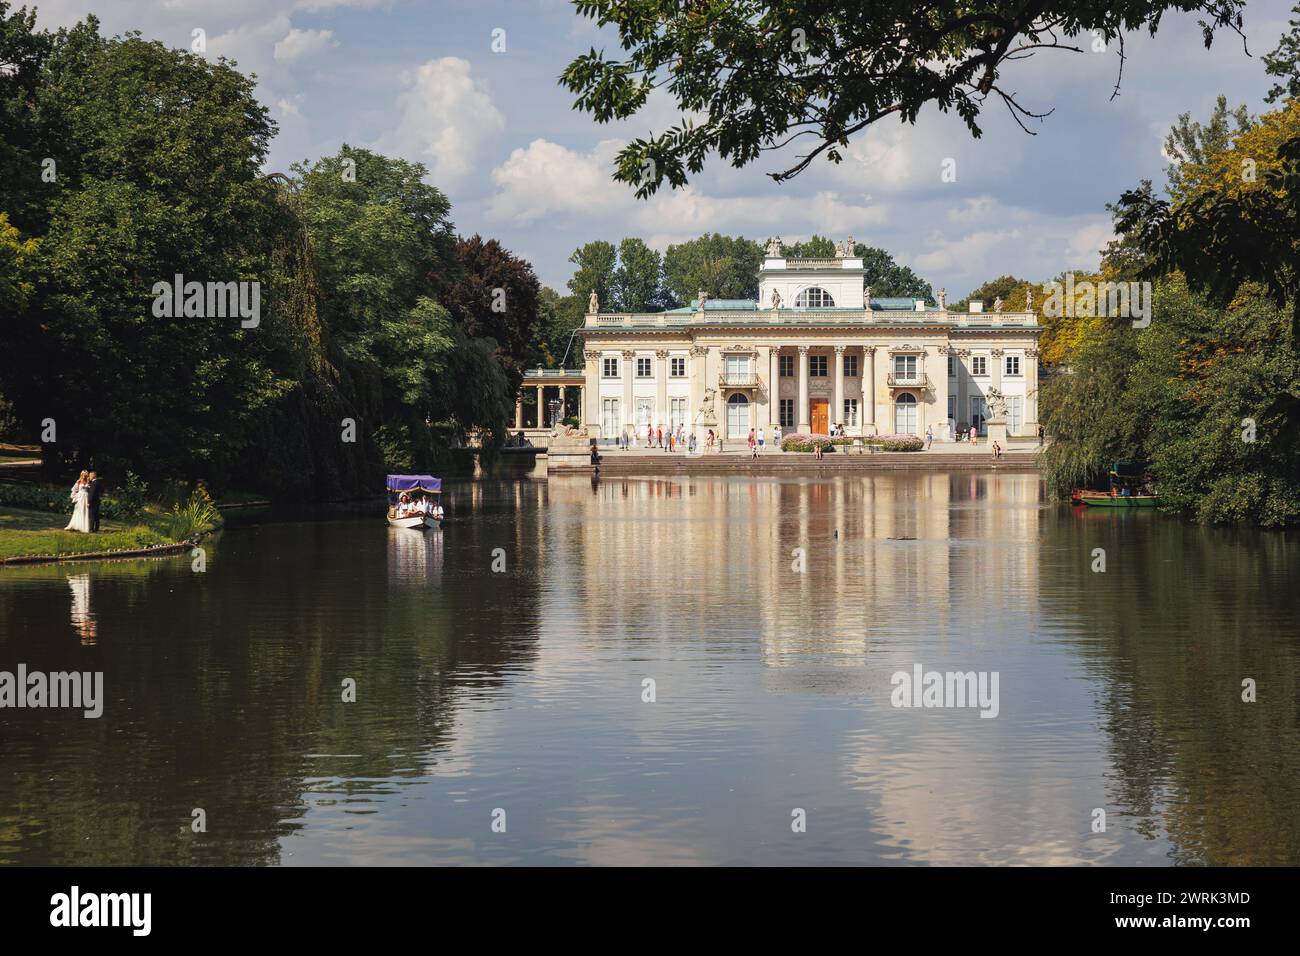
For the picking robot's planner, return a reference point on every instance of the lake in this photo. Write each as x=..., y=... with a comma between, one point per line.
x=670, y=671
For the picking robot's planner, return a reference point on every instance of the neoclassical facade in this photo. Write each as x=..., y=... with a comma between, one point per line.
x=816, y=350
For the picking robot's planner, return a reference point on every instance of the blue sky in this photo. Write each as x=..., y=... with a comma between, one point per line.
x=420, y=80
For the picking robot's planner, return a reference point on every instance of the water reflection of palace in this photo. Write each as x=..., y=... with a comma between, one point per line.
x=878, y=553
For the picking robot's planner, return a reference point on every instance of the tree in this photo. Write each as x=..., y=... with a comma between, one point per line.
x=887, y=278
x=724, y=267
x=1284, y=62
x=494, y=296
x=1189, y=142
x=1009, y=289
x=636, y=281
x=595, y=273
x=750, y=76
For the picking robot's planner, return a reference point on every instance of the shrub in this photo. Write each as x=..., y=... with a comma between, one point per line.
x=802, y=442
x=196, y=517
x=131, y=498
x=902, y=443
x=572, y=420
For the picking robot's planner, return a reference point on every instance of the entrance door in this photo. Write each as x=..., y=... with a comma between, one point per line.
x=905, y=415
x=820, y=416
x=738, y=416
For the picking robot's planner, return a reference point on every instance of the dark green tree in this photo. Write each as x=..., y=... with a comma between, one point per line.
x=760, y=75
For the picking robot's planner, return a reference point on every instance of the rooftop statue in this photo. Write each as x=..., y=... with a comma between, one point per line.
x=776, y=299
x=593, y=303
x=774, y=248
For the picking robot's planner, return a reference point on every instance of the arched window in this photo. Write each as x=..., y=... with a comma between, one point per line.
x=814, y=298
x=905, y=415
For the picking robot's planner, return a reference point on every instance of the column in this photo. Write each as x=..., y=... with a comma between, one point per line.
x=837, y=408
x=564, y=411
x=698, y=355
x=519, y=411
x=995, y=373
x=591, y=390
x=661, y=388
x=1031, y=391
x=541, y=406
x=802, y=413
x=869, y=390
x=628, y=368
x=774, y=390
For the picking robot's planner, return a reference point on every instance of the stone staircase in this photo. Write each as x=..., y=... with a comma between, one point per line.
x=614, y=462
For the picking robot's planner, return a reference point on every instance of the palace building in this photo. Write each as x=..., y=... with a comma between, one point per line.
x=815, y=351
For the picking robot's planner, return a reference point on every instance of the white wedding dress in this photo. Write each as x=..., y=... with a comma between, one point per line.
x=80, y=509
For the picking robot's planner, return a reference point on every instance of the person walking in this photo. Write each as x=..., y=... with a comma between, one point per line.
x=760, y=438
x=753, y=444
x=708, y=441
x=929, y=437
x=776, y=437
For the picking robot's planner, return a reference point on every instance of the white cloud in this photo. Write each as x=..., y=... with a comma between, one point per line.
x=300, y=43
x=446, y=120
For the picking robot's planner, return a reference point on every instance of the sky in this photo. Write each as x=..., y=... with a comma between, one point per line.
x=420, y=79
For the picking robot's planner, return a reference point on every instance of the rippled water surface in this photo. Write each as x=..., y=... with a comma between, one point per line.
x=770, y=615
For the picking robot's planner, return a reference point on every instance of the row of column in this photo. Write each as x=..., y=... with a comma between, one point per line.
x=803, y=406
x=541, y=406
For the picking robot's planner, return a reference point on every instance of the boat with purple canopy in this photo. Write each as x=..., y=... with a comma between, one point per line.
x=414, y=501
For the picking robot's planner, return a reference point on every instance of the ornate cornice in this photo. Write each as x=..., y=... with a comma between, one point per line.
x=590, y=354
x=699, y=351
x=629, y=354
x=661, y=353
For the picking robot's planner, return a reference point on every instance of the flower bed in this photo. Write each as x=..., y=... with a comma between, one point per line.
x=806, y=442
x=897, y=442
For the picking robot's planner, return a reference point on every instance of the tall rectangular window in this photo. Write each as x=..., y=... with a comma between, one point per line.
x=979, y=365
x=787, y=413
x=785, y=365
x=1015, y=405
x=609, y=368
x=817, y=366
x=905, y=366
x=676, y=412
x=677, y=366
x=642, y=367
x=1013, y=365
x=738, y=365
x=850, y=413
x=952, y=405
x=609, y=418
x=851, y=366
x=952, y=369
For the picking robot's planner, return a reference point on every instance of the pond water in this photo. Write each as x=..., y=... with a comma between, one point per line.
x=503, y=668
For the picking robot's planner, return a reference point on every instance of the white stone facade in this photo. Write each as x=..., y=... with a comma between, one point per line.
x=826, y=355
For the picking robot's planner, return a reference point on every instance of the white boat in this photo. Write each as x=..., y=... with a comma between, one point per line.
x=415, y=521
x=402, y=487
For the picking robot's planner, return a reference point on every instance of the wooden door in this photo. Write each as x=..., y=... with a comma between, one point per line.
x=820, y=416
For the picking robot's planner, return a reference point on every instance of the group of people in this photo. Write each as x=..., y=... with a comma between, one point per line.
x=408, y=507
x=87, y=493
x=676, y=438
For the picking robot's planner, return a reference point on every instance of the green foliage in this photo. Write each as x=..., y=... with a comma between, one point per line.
x=748, y=76
x=595, y=263
x=195, y=518
x=636, y=281
x=132, y=495
x=1284, y=62
x=724, y=267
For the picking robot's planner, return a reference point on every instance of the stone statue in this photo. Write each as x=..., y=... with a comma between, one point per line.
x=997, y=404
x=850, y=248
x=866, y=296
x=708, y=416
x=593, y=303
x=942, y=298
x=703, y=297
x=774, y=248
x=997, y=304
x=1029, y=299
x=776, y=299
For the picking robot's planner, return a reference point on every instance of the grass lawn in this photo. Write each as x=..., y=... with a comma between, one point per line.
x=24, y=533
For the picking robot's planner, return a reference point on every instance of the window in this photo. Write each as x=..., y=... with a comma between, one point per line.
x=1015, y=404
x=952, y=369
x=787, y=413
x=738, y=416
x=979, y=365
x=642, y=367
x=785, y=365
x=609, y=368
x=1013, y=365
x=738, y=365
x=814, y=298
x=676, y=412
x=905, y=367
x=817, y=365
x=851, y=366
x=952, y=405
x=609, y=417
x=979, y=411
x=850, y=413
x=677, y=366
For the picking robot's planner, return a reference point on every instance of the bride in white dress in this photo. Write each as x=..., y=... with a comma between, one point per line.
x=80, y=505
